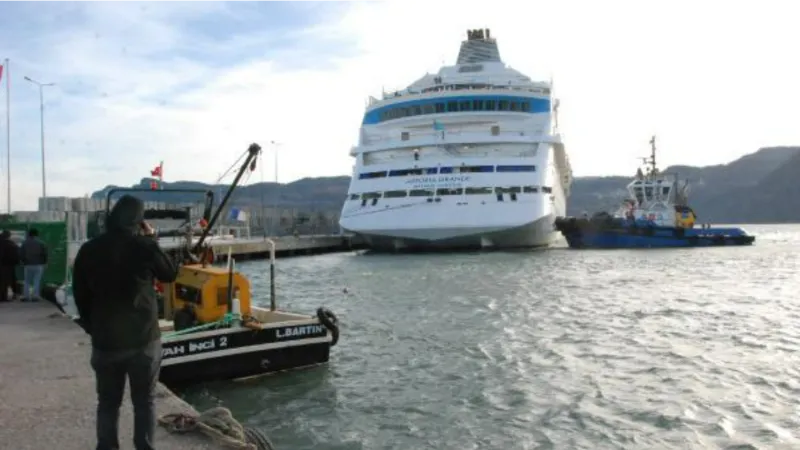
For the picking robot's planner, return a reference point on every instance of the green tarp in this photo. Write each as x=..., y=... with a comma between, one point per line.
x=54, y=234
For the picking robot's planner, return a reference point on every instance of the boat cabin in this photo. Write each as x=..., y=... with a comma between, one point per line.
x=657, y=198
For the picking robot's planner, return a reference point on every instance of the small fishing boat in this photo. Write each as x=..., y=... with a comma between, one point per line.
x=655, y=215
x=211, y=330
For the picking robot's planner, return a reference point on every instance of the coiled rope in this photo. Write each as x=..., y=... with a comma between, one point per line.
x=219, y=425
x=226, y=321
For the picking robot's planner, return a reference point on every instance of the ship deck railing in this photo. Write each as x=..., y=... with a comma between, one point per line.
x=443, y=137
x=466, y=86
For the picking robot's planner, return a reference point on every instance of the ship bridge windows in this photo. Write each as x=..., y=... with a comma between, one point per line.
x=449, y=191
x=512, y=191
x=395, y=194
x=516, y=168
x=370, y=175
x=500, y=192
x=466, y=169
x=478, y=190
x=466, y=103
x=415, y=171
x=371, y=197
x=639, y=194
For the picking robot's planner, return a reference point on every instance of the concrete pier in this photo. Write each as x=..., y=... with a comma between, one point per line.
x=254, y=248
x=47, y=390
x=258, y=248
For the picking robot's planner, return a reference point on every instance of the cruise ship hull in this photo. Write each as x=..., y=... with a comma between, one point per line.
x=538, y=233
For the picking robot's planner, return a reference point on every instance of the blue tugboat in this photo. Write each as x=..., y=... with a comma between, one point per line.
x=656, y=215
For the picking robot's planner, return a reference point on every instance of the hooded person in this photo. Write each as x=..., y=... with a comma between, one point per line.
x=9, y=259
x=113, y=277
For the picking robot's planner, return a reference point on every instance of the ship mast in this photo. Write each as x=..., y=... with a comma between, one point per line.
x=652, y=170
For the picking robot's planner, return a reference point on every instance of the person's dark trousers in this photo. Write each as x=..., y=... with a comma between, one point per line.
x=6, y=282
x=141, y=367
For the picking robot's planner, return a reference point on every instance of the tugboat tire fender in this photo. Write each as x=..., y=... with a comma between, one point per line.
x=331, y=322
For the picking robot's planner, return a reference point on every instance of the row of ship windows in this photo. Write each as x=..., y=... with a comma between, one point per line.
x=435, y=170
x=455, y=106
x=451, y=191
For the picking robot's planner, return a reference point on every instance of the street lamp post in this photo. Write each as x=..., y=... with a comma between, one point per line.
x=277, y=191
x=41, y=109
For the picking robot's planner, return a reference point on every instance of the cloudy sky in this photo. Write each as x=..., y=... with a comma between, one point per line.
x=194, y=83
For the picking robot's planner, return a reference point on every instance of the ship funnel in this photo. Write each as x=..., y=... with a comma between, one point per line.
x=479, y=47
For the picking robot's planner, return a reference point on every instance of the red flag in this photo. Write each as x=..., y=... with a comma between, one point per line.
x=1, y=71
x=156, y=172
x=203, y=222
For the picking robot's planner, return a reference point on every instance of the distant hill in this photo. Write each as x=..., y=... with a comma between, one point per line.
x=318, y=194
x=774, y=198
x=757, y=188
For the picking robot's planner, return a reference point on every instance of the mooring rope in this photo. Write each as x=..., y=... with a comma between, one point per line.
x=225, y=321
x=218, y=424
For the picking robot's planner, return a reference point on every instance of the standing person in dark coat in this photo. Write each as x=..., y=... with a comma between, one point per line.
x=33, y=254
x=112, y=284
x=9, y=259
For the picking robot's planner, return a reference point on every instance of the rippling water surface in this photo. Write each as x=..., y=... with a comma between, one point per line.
x=559, y=348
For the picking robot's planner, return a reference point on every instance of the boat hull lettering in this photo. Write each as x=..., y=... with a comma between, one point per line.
x=193, y=346
x=300, y=331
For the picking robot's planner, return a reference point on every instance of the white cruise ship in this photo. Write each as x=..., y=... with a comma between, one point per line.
x=469, y=157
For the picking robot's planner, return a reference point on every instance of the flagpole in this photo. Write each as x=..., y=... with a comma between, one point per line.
x=161, y=174
x=8, y=133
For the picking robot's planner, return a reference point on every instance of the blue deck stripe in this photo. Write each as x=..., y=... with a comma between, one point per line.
x=536, y=105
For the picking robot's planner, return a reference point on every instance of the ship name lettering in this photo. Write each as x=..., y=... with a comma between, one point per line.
x=303, y=330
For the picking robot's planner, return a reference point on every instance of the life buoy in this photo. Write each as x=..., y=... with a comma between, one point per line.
x=331, y=322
